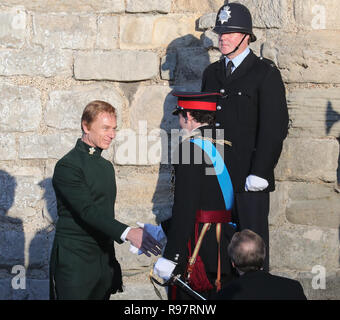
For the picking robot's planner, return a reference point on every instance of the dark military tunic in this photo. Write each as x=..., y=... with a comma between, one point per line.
x=253, y=113
x=195, y=190
x=83, y=263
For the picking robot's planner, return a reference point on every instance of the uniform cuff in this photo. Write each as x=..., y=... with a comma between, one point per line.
x=124, y=234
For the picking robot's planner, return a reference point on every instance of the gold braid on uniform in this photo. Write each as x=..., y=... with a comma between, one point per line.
x=215, y=141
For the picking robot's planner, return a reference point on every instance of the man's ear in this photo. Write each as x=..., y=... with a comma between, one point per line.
x=85, y=126
x=189, y=116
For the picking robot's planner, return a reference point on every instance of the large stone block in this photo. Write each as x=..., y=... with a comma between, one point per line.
x=331, y=291
x=196, y=6
x=305, y=56
x=117, y=65
x=163, y=6
x=311, y=282
x=157, y=31
x=317, y=15
x=146, y=189
x=65, y=31
x=7, y=146
x=153, y=104
x=13, y=31
x=132, y=148
x=20, y=108
x=146, y=213
x=265, y=14
x=35, y=62
x=308, y=160
x=139, y=289
x=278, y=203
x=75, y=6
x=108, y=32
x=301, y=248
x=314, y=112
x=313, y=205
x=52, y=146
x=268, y=14
x=64, y=108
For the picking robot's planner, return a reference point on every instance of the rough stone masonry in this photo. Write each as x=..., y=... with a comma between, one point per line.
x=55, y=56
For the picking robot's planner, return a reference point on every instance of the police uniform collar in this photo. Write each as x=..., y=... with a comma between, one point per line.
x=84, y=147
x=239, y=58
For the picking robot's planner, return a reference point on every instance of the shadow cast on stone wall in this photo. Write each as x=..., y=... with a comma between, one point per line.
x=41, y=244
x=24, y=257
x=12, y=241
x=182, y=66
x=332, y=117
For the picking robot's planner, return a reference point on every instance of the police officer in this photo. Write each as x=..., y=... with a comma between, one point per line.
x=253, y=113
x=199, y=202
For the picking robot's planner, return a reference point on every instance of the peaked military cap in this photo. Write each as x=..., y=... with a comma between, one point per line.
x=201, y=101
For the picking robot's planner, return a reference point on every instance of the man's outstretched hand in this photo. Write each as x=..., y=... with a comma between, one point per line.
x=142, y=240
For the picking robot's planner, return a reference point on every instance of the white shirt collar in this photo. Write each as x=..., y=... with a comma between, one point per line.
x=238, y=59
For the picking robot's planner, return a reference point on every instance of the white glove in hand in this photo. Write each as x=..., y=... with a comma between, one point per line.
x=164, y=268
x=255, y=183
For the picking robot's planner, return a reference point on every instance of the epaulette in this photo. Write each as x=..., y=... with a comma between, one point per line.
x=268, y=62
x=215, y=141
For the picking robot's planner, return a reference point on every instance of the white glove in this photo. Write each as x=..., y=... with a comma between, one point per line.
x=255, y=183
x=155, y=231
x=164, y=268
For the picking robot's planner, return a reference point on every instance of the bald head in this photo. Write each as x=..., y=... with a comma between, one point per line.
x=247, y=251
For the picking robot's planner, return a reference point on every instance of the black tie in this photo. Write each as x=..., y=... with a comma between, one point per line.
x=228, y=70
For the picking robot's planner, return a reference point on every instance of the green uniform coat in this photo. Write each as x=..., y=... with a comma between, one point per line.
x=83, y=262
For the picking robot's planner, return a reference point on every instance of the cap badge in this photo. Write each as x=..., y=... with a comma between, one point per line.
x=92, y=150
x=225, y=14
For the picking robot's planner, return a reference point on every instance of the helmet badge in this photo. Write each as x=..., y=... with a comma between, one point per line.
x=225, y=14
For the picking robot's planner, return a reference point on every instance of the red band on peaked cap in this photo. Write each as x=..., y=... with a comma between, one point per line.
x=205, y=101
x=197, y=105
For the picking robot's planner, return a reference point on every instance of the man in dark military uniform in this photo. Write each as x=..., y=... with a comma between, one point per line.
x=83, y=263
x=199, y=203
x=253, y=113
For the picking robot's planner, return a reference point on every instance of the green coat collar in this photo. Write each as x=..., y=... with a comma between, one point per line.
x=84, y=147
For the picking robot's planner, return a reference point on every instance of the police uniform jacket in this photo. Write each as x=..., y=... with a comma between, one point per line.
x=252, y=112
x=195, y=190
x=85, y=188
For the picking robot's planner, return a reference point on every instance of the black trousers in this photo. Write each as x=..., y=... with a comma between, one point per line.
x=250, y=211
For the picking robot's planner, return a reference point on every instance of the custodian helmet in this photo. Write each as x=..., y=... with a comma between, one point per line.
x=234, y=17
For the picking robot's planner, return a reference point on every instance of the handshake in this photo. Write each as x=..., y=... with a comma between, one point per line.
x=146, y=239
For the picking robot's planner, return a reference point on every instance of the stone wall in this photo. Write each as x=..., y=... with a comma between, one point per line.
x=55, y=56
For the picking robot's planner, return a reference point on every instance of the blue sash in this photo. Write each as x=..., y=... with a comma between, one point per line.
x=220, y=170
